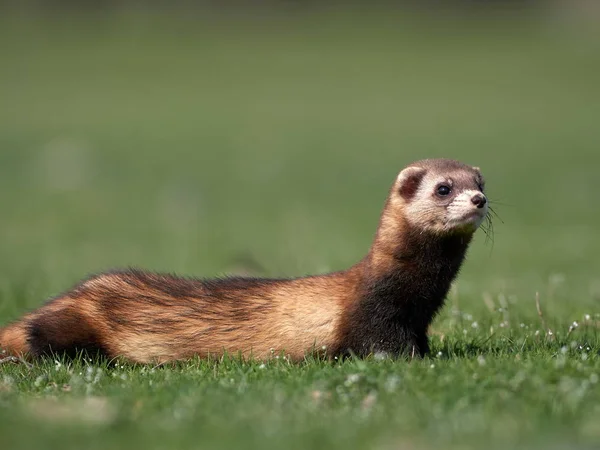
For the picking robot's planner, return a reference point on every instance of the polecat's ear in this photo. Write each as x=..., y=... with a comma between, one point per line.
x=409, y=180
x=476, y=169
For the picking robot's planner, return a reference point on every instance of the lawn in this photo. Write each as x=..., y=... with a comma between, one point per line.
x=211, y=145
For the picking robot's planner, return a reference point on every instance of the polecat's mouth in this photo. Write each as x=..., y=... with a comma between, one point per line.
x=474, y=216
x=469, y=221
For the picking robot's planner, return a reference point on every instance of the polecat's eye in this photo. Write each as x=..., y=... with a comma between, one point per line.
x=443, y=190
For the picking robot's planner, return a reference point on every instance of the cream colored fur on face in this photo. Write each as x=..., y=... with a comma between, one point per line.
x=460, y=209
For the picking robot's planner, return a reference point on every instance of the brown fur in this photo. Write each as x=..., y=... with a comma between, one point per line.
x=383, y=303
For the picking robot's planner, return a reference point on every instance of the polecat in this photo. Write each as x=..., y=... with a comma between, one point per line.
x=384, y=303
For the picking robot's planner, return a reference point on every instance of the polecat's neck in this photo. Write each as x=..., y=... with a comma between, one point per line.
x=400, y=285
x=410, y=271
x=401, y=248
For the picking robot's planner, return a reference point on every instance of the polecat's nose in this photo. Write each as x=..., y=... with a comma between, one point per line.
x=479, y=200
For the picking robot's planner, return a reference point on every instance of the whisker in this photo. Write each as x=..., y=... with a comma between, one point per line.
x=488, y=229
x=499, y=202
x=493, y=211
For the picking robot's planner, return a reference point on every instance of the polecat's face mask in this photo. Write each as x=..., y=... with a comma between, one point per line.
x=443, y=200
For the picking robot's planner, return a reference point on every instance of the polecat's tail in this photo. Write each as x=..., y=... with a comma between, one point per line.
x=13, y=340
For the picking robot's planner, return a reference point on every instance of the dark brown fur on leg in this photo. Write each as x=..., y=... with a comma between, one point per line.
x=47, y=335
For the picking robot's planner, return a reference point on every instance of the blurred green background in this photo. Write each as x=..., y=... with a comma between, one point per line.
x=203, y=141
x=185, y=142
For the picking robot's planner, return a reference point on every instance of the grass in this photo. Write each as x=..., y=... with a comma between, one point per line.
x=208, y=145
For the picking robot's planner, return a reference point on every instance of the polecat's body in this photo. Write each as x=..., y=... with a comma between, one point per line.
x=384, y=303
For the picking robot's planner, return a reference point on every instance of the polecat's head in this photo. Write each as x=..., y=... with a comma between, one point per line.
x=441, y=196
